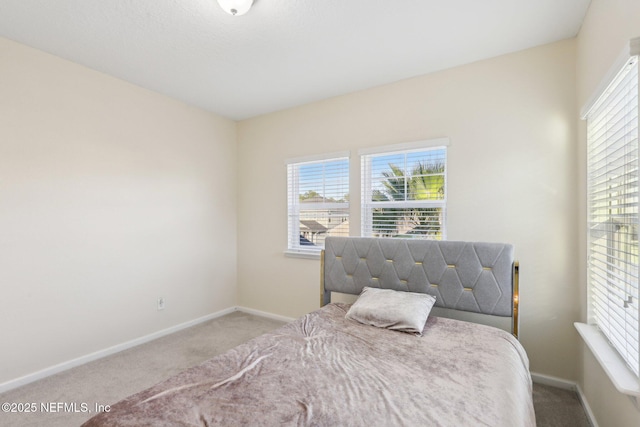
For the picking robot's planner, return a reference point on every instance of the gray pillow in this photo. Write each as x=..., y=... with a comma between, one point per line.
x=396, y=310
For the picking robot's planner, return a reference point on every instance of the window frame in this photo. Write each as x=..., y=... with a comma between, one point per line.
x=294, y=248
x=612, y=213
x=367, y=183
x=619, y=371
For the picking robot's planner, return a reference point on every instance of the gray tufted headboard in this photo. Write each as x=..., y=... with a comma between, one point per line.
x=469, y=276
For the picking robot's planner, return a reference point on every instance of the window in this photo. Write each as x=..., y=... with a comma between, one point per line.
x=404, y=190
x=318, y=202
x=612, y=213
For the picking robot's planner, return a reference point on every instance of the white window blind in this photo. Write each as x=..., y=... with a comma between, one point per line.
x=318, y=202
x=612, y=193
x=404, y=193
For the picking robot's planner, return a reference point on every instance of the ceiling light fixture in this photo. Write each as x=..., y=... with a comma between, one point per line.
x=235, y=7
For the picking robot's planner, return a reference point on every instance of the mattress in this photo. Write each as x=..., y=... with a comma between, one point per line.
x=326, y=370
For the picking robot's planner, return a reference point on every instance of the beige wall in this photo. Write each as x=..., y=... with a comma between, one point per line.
x=110, y=196
x=512, y=178
x=608, y=26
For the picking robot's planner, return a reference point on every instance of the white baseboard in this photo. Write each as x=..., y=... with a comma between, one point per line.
x=553, y=381
x=29, y=378
x=585, y=405
x=265, y=314
x=567, y=385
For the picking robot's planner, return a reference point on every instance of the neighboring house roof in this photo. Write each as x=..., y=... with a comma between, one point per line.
x=315, y=199
x=312, y=226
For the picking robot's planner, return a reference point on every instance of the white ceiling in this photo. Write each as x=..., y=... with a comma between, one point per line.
x=282, y=53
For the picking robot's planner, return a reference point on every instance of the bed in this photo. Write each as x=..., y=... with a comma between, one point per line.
x=358, y=365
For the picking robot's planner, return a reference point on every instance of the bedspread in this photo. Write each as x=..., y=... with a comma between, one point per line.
x=326, y=370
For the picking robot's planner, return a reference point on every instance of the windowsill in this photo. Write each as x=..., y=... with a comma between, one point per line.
x=620, y=375
x=304, y=255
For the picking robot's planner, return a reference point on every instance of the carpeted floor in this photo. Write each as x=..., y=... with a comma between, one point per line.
x=115, y=377
x=556, y=407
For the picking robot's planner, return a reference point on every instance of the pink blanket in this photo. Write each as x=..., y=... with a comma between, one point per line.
x=326, y=370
